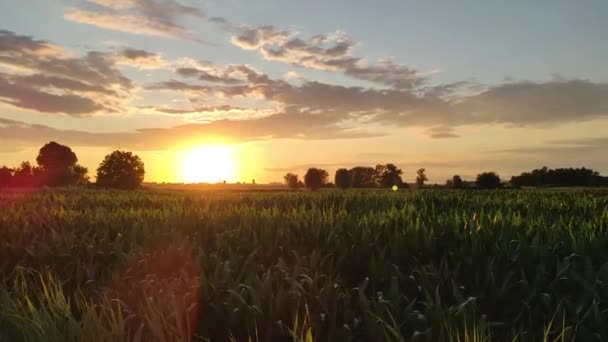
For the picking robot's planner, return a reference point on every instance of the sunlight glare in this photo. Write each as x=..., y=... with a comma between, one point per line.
x=208, y=164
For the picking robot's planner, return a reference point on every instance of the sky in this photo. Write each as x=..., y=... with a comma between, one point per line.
x=276, y=86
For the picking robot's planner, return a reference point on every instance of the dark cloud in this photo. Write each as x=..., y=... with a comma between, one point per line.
x=31, y=98
x=331, y=52
x=537, y=103
x=440, y=108
x=146, y=17
x=11, y=42
x=283, y=125
x=140, y=58
x=45, y=78
x=196, y=110
x=207, y=72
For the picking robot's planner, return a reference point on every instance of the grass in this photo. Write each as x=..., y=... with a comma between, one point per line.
x=417, y=265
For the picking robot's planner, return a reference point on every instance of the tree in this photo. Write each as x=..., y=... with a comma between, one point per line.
x=387, y=175
x=342, y=178
x=6, y=176
x=122, y=170
x=26, y=176
x=315, y=178
x=488, y=180
x=291, y=180
x=457, y=182
x=559, y=177
x=56, y=155
x=421, y=177
x=58, y=166
x=362, y=177
x=56, y=161
x=80, y=175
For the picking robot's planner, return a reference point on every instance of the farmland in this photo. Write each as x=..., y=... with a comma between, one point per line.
x=413, y=265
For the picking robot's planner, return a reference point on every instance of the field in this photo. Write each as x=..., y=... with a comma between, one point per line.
x=414, y=265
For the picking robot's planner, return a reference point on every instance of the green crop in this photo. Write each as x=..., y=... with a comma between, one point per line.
x=417, y=265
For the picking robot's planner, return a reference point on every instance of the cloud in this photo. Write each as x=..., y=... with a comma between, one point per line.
x=441, y=132
x=45, y=78
x=206, y=114
x=31, y=98
x=140, y=59
x=527, y=103
x=145, y=17
x=332, y=52
x=440, y=108
x=283, y=125
x=564, y=147
x=11, y=42
x=587, y=152
x=208, y=72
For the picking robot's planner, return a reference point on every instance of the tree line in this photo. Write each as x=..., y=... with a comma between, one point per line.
x=562, y=177
x=389, y=175
x=57, y=165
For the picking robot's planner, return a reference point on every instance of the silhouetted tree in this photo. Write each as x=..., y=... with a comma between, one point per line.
x=449, y=183
x=291, y=180
x=387, y=175
x=122, y=170
x=6, y=176
x=80, y=175
x=457, y=182
x=26, y=176
x=421, y=177
x=342, y=178
x=315, y=178
x=57, y=162
x=488, y=180
x=559, y=177
x=362, y=177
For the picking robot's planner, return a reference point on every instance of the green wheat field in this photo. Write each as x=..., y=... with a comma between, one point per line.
x=412, y=265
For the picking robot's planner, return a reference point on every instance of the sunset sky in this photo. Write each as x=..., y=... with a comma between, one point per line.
x=457, y=87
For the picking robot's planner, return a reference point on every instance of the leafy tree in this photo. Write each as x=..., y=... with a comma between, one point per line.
x=488, y=180
x=56, y=161
x=362, y=177
x=315, y=178
x=80, y=175
x=54, y=155
x=457, y=182
x=58, y=166
x=387, y=175
x=122, y=170
x=342, y=178
x=6, y=176
x=449, y=183
x=421, y=177
x=291, y=180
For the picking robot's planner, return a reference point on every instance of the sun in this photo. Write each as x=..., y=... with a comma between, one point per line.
x=208, y=164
